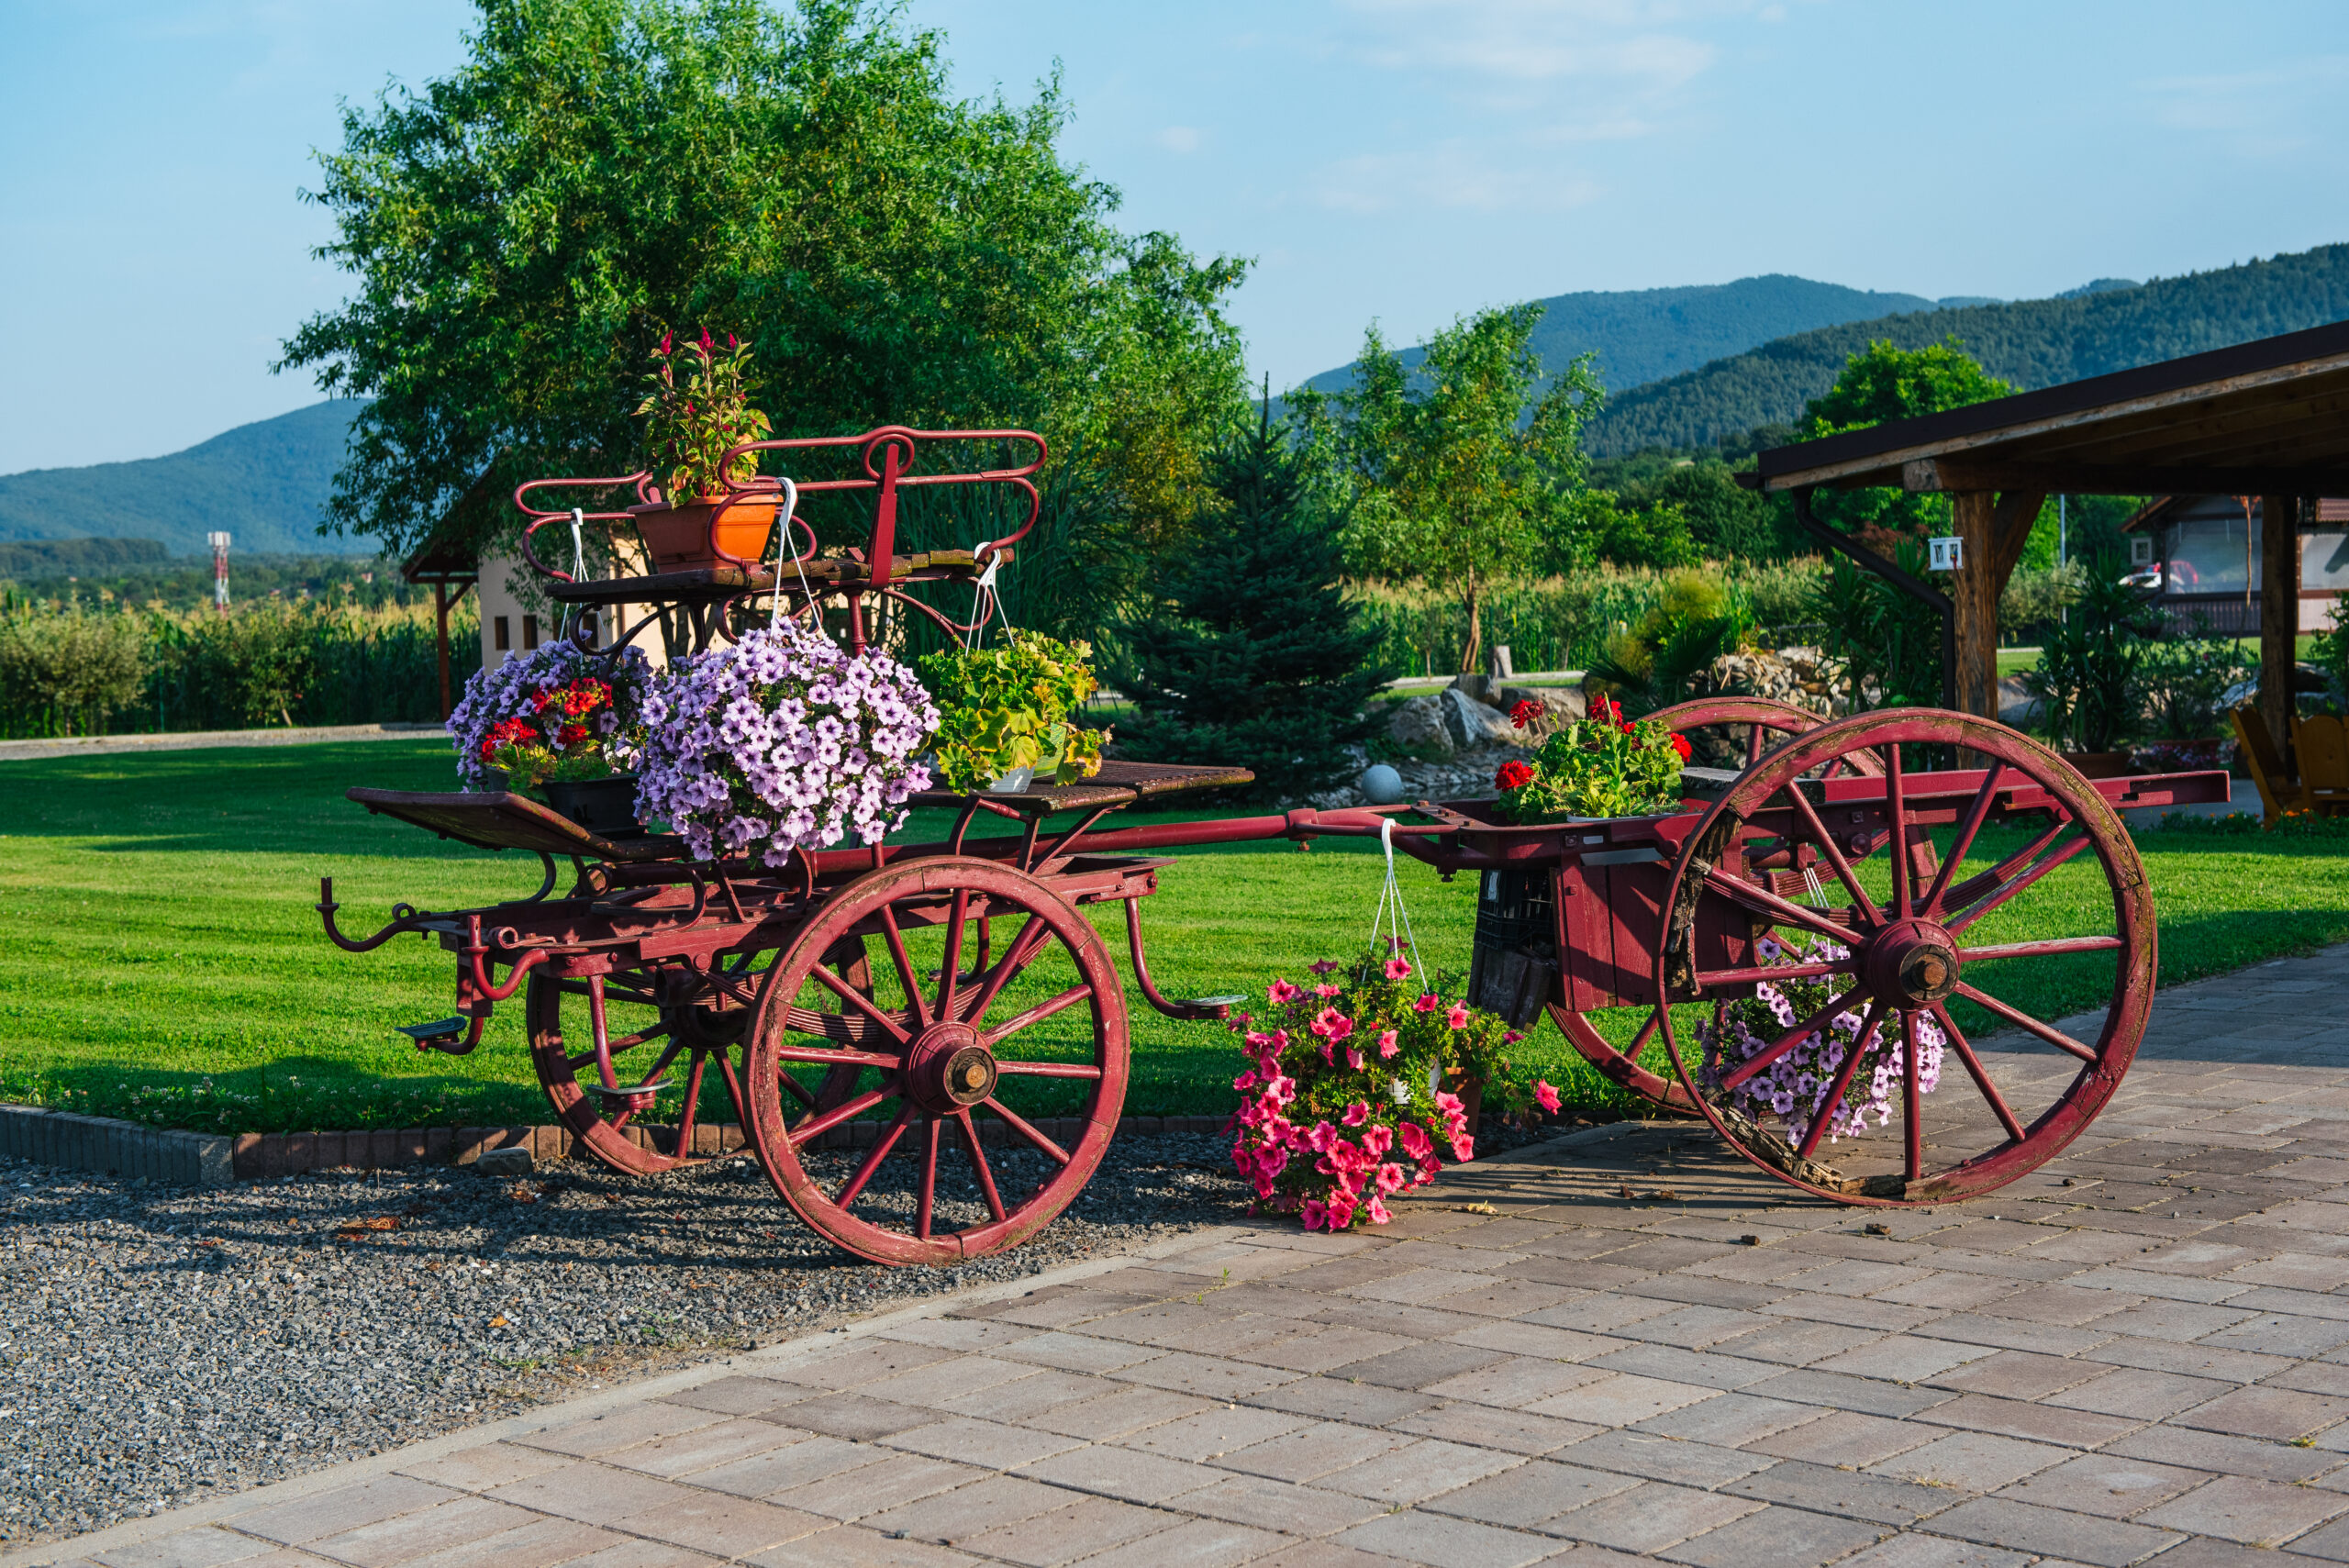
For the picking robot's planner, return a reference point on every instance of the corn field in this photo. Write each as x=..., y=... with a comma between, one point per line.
x=1562, y=623
x=69, y=668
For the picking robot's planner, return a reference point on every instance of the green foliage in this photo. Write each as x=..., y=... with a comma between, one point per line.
x=1599, y=766
x=1008, y=707
x=1879, y=384
x=1889, y=644
x=31, y=560
x=1725, y=519
x=2182, y=679
x=2329, y=649
x=688, y=429
x=1668, y=656
x=2087, y=676
x=1254, y=657
x=519, y=230
x=2036, y=598
x=2031, y=343
x=1566, y=623
x=1456, y=481
x=1658, y=535
x=79, y=665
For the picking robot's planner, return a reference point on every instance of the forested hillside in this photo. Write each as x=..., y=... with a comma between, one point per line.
x=2032, y=343
x=1644, y=335
x=263, y=483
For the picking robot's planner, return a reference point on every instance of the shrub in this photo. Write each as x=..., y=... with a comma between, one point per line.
x=79, y=666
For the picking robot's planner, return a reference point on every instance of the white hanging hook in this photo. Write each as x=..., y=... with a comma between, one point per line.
x=578, y=546
x=782, y=542
x=1390, y=898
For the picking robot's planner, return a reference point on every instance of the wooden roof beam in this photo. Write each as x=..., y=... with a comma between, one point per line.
x=1955, y=475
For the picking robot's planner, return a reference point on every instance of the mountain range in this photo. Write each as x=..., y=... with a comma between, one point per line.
x=1685, y=368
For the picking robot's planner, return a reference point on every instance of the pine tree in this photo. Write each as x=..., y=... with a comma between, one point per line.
x=1254, y=658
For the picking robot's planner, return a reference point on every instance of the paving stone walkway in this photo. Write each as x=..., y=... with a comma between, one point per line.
x=2140, y=1351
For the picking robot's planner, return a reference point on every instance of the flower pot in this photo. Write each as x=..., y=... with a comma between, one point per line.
x=687, y=537
x=604, y=806
x=2099, y=764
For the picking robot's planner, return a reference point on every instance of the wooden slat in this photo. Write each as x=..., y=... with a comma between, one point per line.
x=500, y=821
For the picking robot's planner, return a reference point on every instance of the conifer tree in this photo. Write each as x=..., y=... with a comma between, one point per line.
x=1254, y=657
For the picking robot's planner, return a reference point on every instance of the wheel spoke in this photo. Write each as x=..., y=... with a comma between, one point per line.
x=1768, y=903
x=951, y=971
x=2007, y=891
x=2023, y=1020
x=896, y=940
x=1753, y=744
x=1788, y=1041
x=1012, y=1120
x=1833, y=1101
x=931, y=1128
x=873, y=1156
x=1912, y=1111
x=1016, y=959
x=860, y=1002
x=788, y=1052
x=797, y=1090
x=1974, y=886
x=1772, y=973
x=692, y=1100
x=1976, y=1071
x=1896, y=805
x=1036, y=1015
x=1966, y=829
x=626, y=1040
x=1861, y=901
x=979, y=1162
x=1045, y=1070
x=2038, y=949
x=816, y=1127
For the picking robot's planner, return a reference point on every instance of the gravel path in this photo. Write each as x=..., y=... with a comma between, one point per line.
x=161, y=1344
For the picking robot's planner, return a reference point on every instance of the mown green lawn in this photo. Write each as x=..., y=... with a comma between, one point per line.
x=159, y=958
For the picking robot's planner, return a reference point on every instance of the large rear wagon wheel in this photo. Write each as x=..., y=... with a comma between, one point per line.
x=981, y=978
x=1959, y=921
x=1746, y=726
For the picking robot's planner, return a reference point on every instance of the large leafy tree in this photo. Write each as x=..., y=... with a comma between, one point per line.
x=1255, y=656
x=598, y=171
x=1880, y=384
x=1460, y=470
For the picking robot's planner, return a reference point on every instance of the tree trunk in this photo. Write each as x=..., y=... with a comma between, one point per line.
x=1475, y=637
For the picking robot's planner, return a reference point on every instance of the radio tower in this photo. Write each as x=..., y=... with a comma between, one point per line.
x=220, y=543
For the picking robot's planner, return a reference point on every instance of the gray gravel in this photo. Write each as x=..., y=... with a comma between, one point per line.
x=163, y=1345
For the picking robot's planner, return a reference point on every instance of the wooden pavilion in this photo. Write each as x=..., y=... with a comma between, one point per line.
x=445, y=564
x=2268, y=419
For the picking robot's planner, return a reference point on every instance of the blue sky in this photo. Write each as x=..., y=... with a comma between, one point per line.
x=1402, y=160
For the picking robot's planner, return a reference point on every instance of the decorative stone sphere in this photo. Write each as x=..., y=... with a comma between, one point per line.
x=1380, y=784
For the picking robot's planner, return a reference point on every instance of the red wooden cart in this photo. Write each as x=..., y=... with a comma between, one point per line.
x=903, y=983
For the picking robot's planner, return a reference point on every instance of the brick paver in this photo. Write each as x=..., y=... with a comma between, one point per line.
x=2140, y=1352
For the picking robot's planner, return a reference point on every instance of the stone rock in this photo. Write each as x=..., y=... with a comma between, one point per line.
x=1380, y=784
x=1563, y=703
x=1479, y=687
x=1471, y=724
x=1419, y=728
x=2018, y=710
x=1335, y=799
x=503, y=1162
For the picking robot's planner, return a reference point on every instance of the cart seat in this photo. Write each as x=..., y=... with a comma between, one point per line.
x=498, y=820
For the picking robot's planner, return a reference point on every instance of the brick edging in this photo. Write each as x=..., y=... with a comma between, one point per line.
x=195, y=1159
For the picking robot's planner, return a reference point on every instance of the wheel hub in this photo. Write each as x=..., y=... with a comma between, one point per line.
x=948, y=1069
x=1911, y=963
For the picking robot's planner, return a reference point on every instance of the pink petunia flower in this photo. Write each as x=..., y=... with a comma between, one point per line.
x=1416, y=1142
x=1325, y=991
x=1377, y=1140
x=1396, y=969
x=1341, y=1211
x=1281, y=991
x=1387, y=1045
x=1327, y=966
x=1546, y=1096
x=1314, y=1213
x=1458, y=1016
x=1427, y=1003
x=1356, y=1114
x=1245, y=1082
x=1392, y=1178
x=1376, y=1209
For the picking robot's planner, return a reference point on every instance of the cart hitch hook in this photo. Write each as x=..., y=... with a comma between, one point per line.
x=475, y=950
x=405, y=918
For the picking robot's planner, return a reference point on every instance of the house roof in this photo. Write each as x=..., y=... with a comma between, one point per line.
x=2265, y=417
x=2329, y=509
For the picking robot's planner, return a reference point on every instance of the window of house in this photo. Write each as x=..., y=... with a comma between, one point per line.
x=502, y=636
x=530, y=632
x=2324, y=559
x=2212, y=555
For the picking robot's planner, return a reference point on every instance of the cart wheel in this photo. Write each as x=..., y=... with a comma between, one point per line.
x=682, y=1049
x=1747, y=724
x=1924, y=931
x=947, y=1018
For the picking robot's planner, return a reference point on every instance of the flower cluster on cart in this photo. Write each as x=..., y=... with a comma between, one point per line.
x=554, y=713
x=1791, y=1088
x=780, y=739
x=1008, y=707
x=1599, y=765
x=689, y=428
x=1344, y=1104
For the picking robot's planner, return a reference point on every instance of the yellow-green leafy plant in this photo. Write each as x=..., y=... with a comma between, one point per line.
x=1008, y=707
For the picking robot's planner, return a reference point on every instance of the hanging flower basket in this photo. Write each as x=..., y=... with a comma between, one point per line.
x=782, y=740
x=1602, y=765
x=556, y=714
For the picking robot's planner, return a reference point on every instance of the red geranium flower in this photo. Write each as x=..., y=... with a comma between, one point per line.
x=1680, y=744
x=1526, y=714
x=1513, y=776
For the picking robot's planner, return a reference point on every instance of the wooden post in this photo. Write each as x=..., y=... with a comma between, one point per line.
x=1974, y=592
x=440, y=614
x=2280, y=613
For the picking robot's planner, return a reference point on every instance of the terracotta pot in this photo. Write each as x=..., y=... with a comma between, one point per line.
x=2099, y=764
x=683, y=537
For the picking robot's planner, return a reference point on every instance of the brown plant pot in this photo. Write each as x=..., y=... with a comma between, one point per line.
x=686, y=537
x=2099, y=764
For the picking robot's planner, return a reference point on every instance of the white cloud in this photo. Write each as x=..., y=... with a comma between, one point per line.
x=1632, y=41
x=1179, y=139
x=2255, y=112
x=1453, y=178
